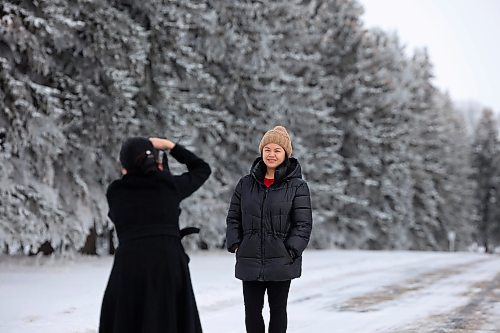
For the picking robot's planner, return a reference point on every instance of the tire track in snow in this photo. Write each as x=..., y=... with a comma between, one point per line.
x=307, y=290
x=310, y=289
x=475, y=316
x=371, y=301
x=315, y=289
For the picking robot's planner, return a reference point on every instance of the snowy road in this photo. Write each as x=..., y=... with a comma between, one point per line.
x=340, y=291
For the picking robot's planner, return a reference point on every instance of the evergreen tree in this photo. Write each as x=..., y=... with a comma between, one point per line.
x=330, y=42
x=485, y=154
x=425, y=149
x=456, y=187
x=440, y=168
x=376, y=152
x=381, y=149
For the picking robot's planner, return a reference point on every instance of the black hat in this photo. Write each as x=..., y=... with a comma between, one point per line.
x=138, y=155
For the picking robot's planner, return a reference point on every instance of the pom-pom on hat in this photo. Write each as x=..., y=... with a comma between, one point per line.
x=279, y=136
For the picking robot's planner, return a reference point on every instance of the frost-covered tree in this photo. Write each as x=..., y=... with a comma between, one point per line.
x=443, y=191
x=456, y=187
x=376, y=147
x=425, y=149
x=485, y=157
x=330, y=46
x=77, y=78
x=48, y=116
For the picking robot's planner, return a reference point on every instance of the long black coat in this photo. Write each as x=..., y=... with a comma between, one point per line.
x=270, y=226
x=149, y=288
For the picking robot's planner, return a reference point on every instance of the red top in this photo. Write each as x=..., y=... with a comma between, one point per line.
x=268, y=182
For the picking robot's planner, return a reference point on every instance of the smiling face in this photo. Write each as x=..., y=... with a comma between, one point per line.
x=273, y=155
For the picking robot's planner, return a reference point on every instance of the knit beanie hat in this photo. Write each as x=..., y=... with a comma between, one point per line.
x=138, y=155
x=279, y=136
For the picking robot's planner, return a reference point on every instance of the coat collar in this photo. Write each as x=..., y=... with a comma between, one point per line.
x=287, y=170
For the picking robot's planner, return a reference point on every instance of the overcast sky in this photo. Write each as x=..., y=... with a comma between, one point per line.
x=461, y=36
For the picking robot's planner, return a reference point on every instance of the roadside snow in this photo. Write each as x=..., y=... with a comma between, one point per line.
x=340, y=291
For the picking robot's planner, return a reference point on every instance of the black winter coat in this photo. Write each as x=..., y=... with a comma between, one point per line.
x=270, y=226
x=149, y=288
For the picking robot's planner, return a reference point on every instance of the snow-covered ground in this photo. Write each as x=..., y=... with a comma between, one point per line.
x=340, y=291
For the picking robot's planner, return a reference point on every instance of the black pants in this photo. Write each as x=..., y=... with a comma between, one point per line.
x=277, y=295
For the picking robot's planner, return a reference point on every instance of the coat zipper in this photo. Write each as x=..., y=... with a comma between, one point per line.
x=262, y=235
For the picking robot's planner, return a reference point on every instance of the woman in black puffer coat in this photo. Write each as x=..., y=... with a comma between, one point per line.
x=149, y=288
x=268, y=226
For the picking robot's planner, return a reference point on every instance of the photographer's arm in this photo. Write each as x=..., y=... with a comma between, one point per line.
x=198, y=169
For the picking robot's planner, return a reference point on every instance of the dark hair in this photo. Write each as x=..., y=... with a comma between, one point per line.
x=146, y=162
x=138, y=155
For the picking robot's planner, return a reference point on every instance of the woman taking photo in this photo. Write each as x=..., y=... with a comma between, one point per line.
x=268, y=226
x=149, y=288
